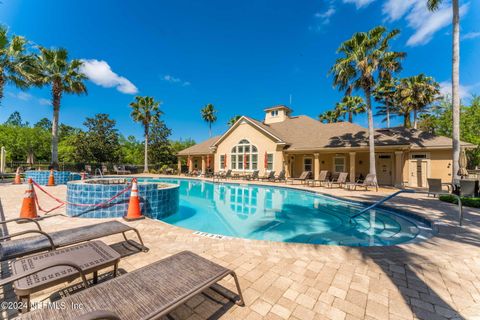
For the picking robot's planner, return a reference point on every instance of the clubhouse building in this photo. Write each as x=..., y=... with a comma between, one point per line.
x=299, y=143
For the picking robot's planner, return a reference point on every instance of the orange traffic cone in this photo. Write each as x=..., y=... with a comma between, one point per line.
x=18, y=179
x=51, y=179
x=134, y=212
x=29, y=208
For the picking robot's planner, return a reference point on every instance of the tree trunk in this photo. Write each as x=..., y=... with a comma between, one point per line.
x=455, y=88
x=387, y=107
x=371, y=132
x=210, y=129
x=415, y=116
x=407, y=123
x=56, y=97
x=350, y=116
x=145, y=168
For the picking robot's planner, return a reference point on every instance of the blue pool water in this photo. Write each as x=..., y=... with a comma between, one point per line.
x=287, y=215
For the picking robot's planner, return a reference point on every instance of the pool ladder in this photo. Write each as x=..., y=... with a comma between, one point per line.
x=99, y=171
x=376, y=204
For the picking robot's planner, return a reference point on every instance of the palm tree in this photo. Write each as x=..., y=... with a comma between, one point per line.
x=209, y=115
x=418, y=92
x=146, y=111
x=433, y=5
x=351, y=105
x=14, y=62
x=53, y=68
x=366, y=59
x=384, y=93
x=329, y=116
x=233, y=120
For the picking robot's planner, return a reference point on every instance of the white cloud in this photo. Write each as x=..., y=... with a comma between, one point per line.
x=465, y=91
x=21, y=95
x=470, y=35
x=172, y=79
x=44, y=102
x=100, y=73
x=324, y=17
x=361, y=3
x=424, y=22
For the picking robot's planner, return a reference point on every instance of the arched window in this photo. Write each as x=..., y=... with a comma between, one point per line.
x=244, y=156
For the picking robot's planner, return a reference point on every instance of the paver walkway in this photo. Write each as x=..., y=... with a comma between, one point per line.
x=435, y=279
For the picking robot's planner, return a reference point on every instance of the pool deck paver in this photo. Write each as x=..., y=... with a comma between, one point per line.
x=438, y=278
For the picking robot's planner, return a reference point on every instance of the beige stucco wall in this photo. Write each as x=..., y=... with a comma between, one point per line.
x=257, y=138
x=439, y=161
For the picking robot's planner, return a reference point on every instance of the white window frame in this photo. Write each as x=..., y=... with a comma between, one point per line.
x=308, y=158
x=334, y=164
x=236, y=157
x=270, y=165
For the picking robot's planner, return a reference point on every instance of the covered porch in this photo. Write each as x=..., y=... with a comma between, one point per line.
x=389, y=164
x=201, y=163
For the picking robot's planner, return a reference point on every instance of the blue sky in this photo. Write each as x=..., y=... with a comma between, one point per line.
x=241, y=56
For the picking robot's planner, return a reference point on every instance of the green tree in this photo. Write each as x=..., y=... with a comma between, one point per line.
x=146, y=111
x=233, y=120
x=366, y=59
x=44, y=123
x=179, y=145
x=100, y=142
x=209, y=115
x=24, y=143
x=52, y=68
x=14, y=62
x=350, y=105
x=161, y=150
x=329, y=116
x=434, y=5
x=384, y=93
x=131, y=150
x=15, y=119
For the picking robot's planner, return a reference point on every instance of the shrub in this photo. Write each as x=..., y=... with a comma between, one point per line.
x=468, y=202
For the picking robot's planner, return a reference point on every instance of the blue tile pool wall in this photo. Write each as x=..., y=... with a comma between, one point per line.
x=155, y=202
x=61, y=177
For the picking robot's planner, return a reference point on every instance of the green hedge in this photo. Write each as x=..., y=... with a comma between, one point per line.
x=468, y=202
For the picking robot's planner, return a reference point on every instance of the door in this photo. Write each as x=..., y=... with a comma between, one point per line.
x=384, y=169
x=418, y=173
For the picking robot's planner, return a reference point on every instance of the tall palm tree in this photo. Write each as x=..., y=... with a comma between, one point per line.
x=209, y=115
x=14, y=62
x=351, y=105
x=52, y=68
x=329, y=116
x=419, y=92
x=145, y=111
x=366, y=57
x=433, y=5
x=233, y=120
x=384, y=93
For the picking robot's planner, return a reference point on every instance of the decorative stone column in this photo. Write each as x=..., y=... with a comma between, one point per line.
x=179, y=165
x=286, y=164
x=316, y=166
x=399, y=169
x=204, y=165
x=352, y=166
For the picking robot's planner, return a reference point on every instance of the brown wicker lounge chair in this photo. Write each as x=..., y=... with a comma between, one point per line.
x=340, y=181
x=43, y=241
x=323, y=177
x=370, y=181
x=268, y=177
x=146, y=293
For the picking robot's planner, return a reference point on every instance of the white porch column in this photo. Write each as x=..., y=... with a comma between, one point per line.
x=316, y=166
x=398, y=169
x=179, y=165
x=287, y=160
x=204, y=165
x=352, y=166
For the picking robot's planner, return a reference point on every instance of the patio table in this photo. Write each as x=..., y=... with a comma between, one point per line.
x=90, y=256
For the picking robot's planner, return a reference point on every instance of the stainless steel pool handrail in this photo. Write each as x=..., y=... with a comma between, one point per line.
x=376, y=204
x=99, y=171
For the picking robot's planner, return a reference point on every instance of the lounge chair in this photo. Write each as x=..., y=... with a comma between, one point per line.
x=120, y=170
x=322, y=178
x=369, y=181
x=268, y=177
x=303, y=177
x=104, y=169
x=468, y=188
x=340, y=181
x=435, y=186
x=253, y=176
x=43, y=241
x=150, y=292
x=281, y=177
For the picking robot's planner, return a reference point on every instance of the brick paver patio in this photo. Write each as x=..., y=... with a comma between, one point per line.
x=435, y=279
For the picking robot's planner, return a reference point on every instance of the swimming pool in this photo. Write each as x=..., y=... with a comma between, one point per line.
x=287, y=215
